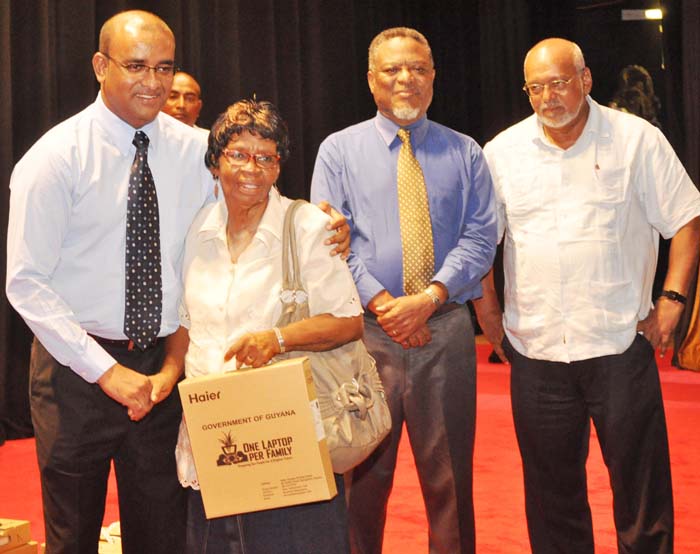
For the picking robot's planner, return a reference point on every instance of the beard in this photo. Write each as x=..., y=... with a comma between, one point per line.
x=559, y=121
x=405, y=113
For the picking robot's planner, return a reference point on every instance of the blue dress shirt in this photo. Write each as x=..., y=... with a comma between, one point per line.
x=356, y=172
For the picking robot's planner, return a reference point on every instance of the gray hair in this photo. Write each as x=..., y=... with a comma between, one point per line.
x=577, y=56
x=403, y=32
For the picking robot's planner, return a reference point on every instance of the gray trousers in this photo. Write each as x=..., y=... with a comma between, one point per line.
x=432, y=390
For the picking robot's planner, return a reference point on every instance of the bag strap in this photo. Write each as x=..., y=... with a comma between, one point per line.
x=291, y=276
x=292, y=295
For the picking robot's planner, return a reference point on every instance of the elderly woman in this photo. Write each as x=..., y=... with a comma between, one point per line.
x=232, y=279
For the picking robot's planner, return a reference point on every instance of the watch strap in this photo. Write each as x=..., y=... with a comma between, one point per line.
x=673, y=295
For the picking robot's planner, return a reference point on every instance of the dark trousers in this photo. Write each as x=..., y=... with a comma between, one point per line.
x=432, y=390
x=315, y=528
x=552, y=405
x=79, y=431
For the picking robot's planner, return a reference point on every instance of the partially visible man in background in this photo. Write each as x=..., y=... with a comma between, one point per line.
x=185, y=100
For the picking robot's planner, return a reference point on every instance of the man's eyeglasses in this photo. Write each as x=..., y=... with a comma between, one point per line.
x=560, y=86
x=138, y=68
x=263, y=161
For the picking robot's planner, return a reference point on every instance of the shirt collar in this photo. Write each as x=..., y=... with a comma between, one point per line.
x=388, y=129
x=595, y=125
x=214, y=224
x=120, y=133
x=273, y=218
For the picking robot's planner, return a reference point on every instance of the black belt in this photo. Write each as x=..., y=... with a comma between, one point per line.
x=442, y=310
x=123, y=343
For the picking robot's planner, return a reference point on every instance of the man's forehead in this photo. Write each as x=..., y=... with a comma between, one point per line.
x=143, y=37
x=550, y=59
x=551, y=74
x=184, y=84
x=404, y=60
x=402, y=44
x=409, y=54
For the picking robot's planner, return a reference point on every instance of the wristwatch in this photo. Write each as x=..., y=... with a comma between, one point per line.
x=673, y=295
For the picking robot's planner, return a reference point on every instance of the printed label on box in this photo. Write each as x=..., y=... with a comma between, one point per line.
x=256, y=440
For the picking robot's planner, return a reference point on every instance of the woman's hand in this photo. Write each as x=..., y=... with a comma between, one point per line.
x=254, y=349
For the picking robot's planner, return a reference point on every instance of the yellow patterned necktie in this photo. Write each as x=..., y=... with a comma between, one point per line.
x=414, y=214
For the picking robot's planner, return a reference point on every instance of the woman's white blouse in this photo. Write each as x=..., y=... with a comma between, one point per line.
x=223, y=300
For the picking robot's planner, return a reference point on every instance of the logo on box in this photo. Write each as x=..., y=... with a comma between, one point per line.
x=262, y=451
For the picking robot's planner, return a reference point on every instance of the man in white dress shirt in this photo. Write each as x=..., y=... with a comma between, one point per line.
x=96, y=397
x=583, y=193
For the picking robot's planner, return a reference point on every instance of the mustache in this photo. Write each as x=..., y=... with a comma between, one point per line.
x=554, y=104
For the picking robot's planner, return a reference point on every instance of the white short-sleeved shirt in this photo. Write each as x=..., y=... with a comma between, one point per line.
x=581, y=231
x=223, y=300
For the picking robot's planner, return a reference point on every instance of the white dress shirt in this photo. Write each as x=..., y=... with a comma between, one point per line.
x=223, y=300
x=582, y=230
x=204, y=132
x=67, y=228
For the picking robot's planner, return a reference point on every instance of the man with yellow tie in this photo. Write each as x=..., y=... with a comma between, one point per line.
x=419, y=200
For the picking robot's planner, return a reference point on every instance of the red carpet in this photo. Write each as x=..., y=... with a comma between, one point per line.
x=500, y=516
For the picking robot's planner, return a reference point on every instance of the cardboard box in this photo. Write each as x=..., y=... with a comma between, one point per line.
x=257, y=438
x=14, y=533
x=110, y=539
x=114, y=547
x=27, y=548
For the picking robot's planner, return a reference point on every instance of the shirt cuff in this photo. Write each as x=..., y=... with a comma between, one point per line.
x=369, y=290
x=456, y=288
x=93, y=363
x=448, y=281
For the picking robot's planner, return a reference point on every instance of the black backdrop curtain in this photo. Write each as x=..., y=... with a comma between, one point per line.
x=307, y=56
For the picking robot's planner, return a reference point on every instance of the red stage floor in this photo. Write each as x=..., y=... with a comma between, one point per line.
x=498, y=491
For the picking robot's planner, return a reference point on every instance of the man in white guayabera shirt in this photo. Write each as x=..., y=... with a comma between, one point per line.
x=582, y=194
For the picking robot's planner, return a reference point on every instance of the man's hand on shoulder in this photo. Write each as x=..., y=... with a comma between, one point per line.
x=128, y=387
x=341, y=237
